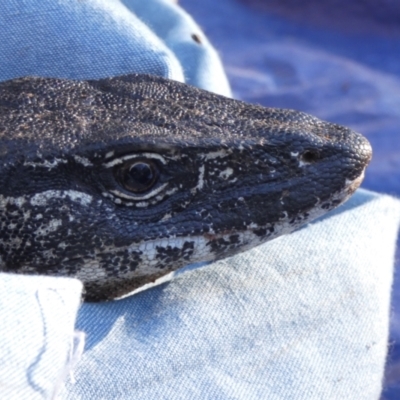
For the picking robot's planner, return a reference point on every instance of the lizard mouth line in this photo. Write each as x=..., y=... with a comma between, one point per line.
x=355, y=183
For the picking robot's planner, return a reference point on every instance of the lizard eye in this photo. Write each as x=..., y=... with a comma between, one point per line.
x=137, y=176
x=132, y=179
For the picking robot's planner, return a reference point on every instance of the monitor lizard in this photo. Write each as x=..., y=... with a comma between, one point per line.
x=119, y=181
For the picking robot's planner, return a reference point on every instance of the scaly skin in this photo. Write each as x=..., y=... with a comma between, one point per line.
x=122, y=180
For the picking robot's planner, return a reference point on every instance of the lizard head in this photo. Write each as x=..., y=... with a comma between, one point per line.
x=122, y=180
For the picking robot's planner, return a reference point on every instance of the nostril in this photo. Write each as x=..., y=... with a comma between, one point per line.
x=310, y=156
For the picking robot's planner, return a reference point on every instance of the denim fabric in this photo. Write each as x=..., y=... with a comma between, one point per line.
x=189, y=44
x=302, y=317
x=37, y=324
x=99, y=38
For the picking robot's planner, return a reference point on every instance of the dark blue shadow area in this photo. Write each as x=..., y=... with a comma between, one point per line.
x=96, y=319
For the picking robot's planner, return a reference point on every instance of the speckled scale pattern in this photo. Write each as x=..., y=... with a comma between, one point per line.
x=230, y=176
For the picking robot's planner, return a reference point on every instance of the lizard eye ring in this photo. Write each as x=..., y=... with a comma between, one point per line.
x=138, y=175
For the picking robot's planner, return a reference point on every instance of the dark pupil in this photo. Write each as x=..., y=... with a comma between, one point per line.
x=139, y=177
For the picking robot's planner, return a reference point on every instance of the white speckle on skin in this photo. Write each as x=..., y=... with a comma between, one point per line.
x=83, y=160
x=303, y=164
x=27, y=216
x=46, y=163
x=200, y=182
x=108, y=195
x=52, y=226
x=91, y=271
x=171, y=191
x=41, y=199
x=226, y=173
x=216, y=154
x=348, y=182
x=166, y=217
x=17, y=201
x=142, y=204
x=120, y=160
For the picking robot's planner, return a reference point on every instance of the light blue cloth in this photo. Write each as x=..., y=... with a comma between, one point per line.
x=303, y=317
x=98, y=38
x=37, y=324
